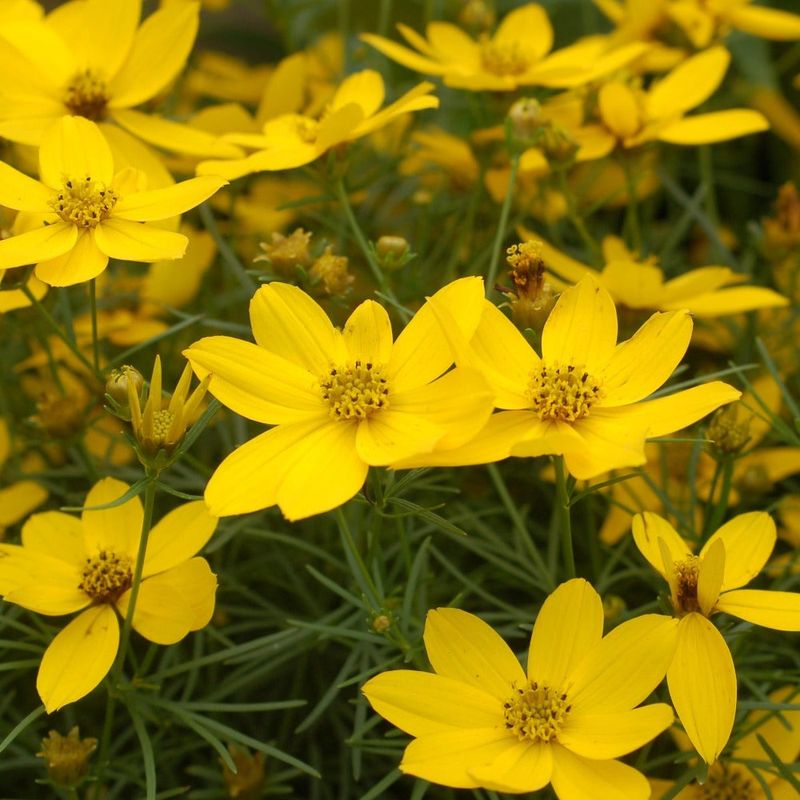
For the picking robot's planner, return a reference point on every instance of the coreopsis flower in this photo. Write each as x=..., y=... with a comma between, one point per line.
x=67, y=564
x=702, y=677
x=637, y=283
x=738, y=777
x=17, y=498
x=88, y=211
x=439, y=158
x=93, y=59
x=292, y=140
x=340, y=400
x=585, y=397
x=480, y=720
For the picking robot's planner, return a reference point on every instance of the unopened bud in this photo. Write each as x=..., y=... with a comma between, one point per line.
x=393, y=252
x=613, y=606
x=532, y=298
x=526, y=118
x=727, y=432
x=477, y=15
x=381, y=623
x=557, y=145
x=67, y=757
x=117, y=384
x=286, y=253
x=331, y=271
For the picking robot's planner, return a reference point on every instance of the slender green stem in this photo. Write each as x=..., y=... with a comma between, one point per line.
x=349, y=543
x=577, y=220
x=502, y=225
x=716, y=514
x=228, y=256
x=95, y=341
x=564, y=523
x=632, y=220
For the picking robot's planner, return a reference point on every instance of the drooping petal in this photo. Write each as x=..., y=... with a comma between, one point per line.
x=421, y=703
x=137, y=241
x=404, y=55
x=82, y=263
x=254, y=382
x=74, y=148
x=582, y=328
x=643, y=363
x=39, y=244
x=305, y=468
x=749, y=540
x=768, y=23
x=22, y=193
x=160, y=204
x=463, y=647
x=568, y=627
x=648, y=528
x=777, y=610
x=525, y=767
x=55, y=534
x=289, y=323
x=578, y=778
x=116, y=529
x=623, y=669
x=367, y=334
x=702, y=685
x=178, y=536
x=614, y=734
x=710, y=575
x=78, y=658
x=718, y=126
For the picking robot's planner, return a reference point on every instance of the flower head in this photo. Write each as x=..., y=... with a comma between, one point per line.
x=67, y=756
x=482, y=721
x=87, y=211
x=67, y=564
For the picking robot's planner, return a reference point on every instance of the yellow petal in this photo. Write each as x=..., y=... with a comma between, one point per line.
x=619, y=109
x=769, y=23
x=563, y=265
x=709, y=579
x=527, y=28
x=167, y=202
x=749, y=540
x=569, y=626
x=132, y=153
x=777, y=610
x=55, y=597
x=648, y=528
x=289, y=323
x=279, y=466
x=463, y=647
x=391, y=435
x=74, y=148
x=56, y=534
x=178, y=536
x=21, y=567
x=702, y=685
x=415, y=99
x=19, y=499
x=367, y=334
x=115, y=529
x=78, y=658
x=138, y=241
x=254, y=382
x=730, y=301
x=364, y=88
x=578, y=778
x=39, y=244
x=718, y=126
x=582, y=328
x=82, y=263
x=525, y=767
x=22, y=193
x=633, y=285
x=611, y=735
x=643, y=363
x=623, y=669
x=158, y=54
x=689, y=84
x=420, y=703
x=403, y=55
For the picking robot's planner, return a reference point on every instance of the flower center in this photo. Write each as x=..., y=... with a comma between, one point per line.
x=724, y=783
x=162, y=421
x=106, y=576
x=85, y=203
x=355, y=392
x=87, y=95
x=307, y=129
x=563, y=393
x=687, y=572
x=503, y=58
x=536, y=713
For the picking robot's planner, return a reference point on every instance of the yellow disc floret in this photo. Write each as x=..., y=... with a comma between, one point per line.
x=506, y=58
x=106, y=576
x=87, y=95
x=355, y=391
x=562, y=393
x=536, y=713
x=85, y=202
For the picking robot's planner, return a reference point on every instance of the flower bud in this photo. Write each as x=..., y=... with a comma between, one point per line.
x=117, y=384
x=67, y=757
x=247, y=783
x=728, y=434
x=526, y=118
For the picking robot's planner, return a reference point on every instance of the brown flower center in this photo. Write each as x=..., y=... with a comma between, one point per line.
x=536, y=713
x=106, y=576
x=355, y=391
x=727, y=783
x=687, y=573
x=564, y=393
x=87, y=95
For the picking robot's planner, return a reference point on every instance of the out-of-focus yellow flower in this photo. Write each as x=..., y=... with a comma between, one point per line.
x=640, y=284
x=17, y=498
x=292, y=140
x=437, y=157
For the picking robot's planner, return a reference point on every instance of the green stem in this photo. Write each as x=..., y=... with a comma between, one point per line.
x=95, y=341
x=228, y=256
x=564, y=523
x=632, y=212
x=577, y=220
x=502, y=225
x=714, y=519
x=374, y=595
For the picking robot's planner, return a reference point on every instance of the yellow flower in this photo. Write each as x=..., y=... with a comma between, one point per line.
x=438, y=155
x=702, y=677
x=585, y=397
x=19, y=498
x=483, y=721
x=93, y=59
x=639, y=284
x=66, y=564
x=292, y=140
x=340, y=400
x=90, y=213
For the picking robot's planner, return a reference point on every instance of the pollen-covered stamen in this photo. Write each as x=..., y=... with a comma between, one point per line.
x=106, y=576
x=536, y=713
x=727, y=783
x=84, y=202
x=503, y=58
x=686, y=574
x=87, y=95
x=564, y=393
x=355, y=391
